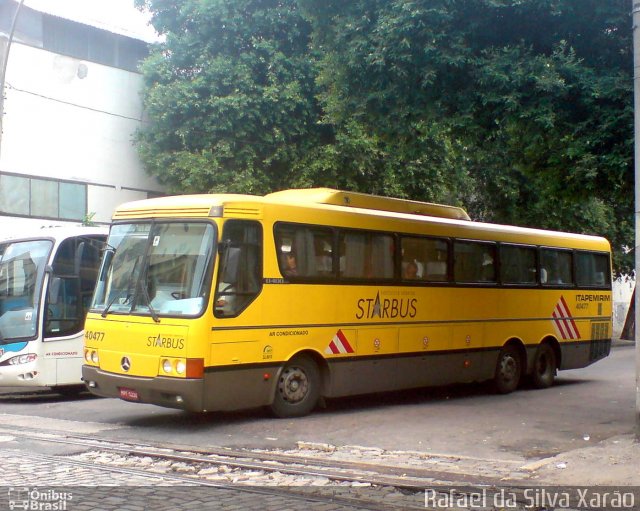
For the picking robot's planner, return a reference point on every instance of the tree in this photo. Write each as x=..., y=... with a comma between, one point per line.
x=531, y=101
x=229, y=95
x=519, y=110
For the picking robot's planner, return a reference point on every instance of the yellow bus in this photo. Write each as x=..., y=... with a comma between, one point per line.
x=221, y=302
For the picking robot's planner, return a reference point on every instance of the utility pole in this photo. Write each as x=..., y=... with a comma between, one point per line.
x=636, y=108
x=3, y=71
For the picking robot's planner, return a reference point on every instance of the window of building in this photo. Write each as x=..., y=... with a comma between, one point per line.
x=14, y=195
x=72, y=199
x=42, y=198
x=93, y=44
x=28, y=27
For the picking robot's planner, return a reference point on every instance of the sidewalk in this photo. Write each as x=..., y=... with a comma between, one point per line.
x=612, y=462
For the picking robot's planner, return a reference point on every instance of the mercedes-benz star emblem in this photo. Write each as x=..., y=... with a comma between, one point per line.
x=125, y=363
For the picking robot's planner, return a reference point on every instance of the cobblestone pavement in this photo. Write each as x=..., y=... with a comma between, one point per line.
x=31, y=482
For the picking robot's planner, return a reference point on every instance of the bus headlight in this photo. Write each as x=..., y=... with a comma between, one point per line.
x=94, y=357
x=166, y=366
x=21, y=359
x=181, y=366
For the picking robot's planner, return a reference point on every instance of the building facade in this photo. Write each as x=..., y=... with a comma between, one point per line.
x=71, y=108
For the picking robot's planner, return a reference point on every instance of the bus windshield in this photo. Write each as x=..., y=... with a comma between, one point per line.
x=156, y=269
x=22, y=265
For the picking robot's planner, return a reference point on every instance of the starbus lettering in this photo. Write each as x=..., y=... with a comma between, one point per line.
x=387, y=308
x=176, y=343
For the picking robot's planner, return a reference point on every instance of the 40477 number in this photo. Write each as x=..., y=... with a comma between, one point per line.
x=90, y=335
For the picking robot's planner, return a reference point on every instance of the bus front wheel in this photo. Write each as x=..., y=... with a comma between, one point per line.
x=298, y=389
x=508, y=370
x=544, y=367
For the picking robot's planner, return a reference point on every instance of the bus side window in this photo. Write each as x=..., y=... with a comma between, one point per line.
x=557, y=265
x=592, y=270
x=429, y=256
x=518, y=265
x=367, y=255
x=474, y=262
x=304, y=251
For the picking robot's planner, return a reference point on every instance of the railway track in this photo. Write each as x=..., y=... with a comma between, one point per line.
x=309, y=481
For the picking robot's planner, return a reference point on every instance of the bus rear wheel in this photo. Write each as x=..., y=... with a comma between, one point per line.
x=508, y=370
x=544, y=367
x=298, y=389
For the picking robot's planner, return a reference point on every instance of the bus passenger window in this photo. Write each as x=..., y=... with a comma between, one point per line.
x=429, y=255
x=366, y=255
x=474, y=262
x=518, y=264
x=304, y=251
x=592, y=270
x=556, y=267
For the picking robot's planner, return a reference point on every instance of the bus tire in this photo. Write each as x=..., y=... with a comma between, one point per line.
x=298, y=388
x=508, y=370
x=544, y=367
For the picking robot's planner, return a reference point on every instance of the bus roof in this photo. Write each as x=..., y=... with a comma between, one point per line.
x=52, y=231
x=443, y=218
x=366, y=201
x=205, y=205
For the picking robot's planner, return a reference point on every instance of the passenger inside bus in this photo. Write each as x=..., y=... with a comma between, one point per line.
x=291, y=266
x=410, y=271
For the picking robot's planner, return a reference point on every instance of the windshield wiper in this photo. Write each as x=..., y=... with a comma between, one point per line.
x=127, y=292
x=145, y=295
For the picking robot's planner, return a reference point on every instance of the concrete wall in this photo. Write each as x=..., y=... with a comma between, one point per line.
x=622, y=289
x=74, y=120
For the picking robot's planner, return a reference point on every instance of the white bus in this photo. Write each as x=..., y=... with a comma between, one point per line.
x=47, y=277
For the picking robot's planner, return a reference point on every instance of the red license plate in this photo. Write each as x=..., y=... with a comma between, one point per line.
x=129, y=394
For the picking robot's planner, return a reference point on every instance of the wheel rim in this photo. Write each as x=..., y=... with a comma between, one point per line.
x=543, y=364
x=293, y=385
x=508, y=369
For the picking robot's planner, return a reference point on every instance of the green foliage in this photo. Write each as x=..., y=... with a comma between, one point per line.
x=528, y=103
x=519, y=110
x=230, y=95
x=87, y=220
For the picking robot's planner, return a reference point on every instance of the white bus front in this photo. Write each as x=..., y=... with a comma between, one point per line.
x=45, y=287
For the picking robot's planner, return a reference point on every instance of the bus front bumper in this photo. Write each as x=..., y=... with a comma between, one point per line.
x=184, y=394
